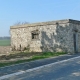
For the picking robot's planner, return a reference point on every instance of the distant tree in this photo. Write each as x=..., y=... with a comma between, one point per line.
x=20, y=23
x=5, y=38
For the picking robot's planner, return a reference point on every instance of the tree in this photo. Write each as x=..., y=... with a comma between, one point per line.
x=20, y=23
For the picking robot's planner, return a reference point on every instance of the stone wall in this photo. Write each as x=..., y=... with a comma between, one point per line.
x=53, y=36
x=76, y=27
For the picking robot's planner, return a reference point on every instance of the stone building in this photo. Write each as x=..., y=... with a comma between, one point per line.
x=52, y=36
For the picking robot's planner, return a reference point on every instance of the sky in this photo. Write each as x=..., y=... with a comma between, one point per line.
x=32, y=11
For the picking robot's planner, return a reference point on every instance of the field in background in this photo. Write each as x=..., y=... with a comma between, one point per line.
x=5, y=42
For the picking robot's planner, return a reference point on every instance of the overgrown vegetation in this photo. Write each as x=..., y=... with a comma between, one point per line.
x=34, y=57
x=48, y=54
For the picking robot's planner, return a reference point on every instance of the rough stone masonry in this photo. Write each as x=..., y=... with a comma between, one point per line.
x=52, y=36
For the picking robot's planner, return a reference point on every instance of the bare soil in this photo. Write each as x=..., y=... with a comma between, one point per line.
x=5, y=50
x=6, y=55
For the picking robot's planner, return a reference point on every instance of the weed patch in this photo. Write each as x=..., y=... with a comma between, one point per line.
x=34, y=57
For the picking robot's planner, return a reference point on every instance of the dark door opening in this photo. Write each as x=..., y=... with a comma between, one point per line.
x=75, y=42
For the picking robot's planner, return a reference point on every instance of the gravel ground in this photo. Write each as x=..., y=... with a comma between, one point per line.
x=5, y=50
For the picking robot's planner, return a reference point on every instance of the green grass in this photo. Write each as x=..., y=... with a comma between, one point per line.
x=5, y=42
x=48, y=54
x=35, y=57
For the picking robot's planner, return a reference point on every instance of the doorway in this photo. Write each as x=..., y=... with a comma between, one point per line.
x=75, y=36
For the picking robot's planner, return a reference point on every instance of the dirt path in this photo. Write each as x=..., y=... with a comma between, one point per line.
x=5, y=50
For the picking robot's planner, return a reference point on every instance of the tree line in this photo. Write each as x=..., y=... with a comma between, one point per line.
x=6, y=37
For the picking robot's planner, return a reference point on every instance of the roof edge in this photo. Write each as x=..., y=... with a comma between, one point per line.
x=64, y=21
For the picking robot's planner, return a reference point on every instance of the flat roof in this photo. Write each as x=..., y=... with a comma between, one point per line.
x=64, y=21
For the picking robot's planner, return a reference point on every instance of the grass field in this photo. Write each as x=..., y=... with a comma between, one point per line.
x=5, y=42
